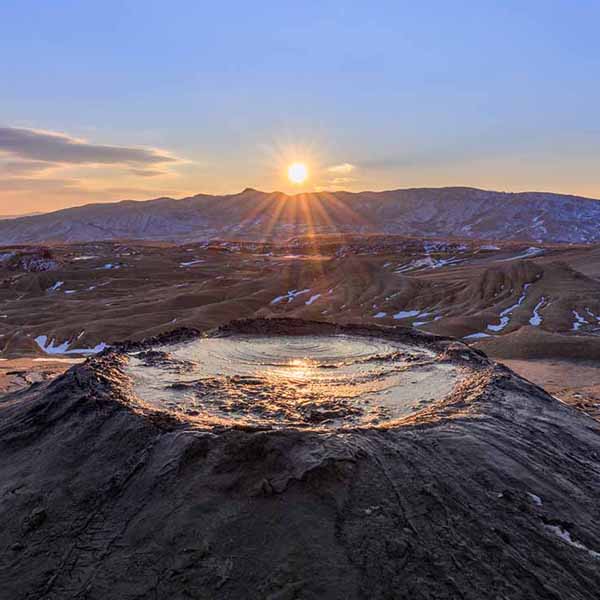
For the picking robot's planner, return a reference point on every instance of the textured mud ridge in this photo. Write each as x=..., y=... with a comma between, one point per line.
x=326, y=381
x=489, y=491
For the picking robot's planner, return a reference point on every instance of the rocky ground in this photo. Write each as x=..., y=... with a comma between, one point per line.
x=490, y=492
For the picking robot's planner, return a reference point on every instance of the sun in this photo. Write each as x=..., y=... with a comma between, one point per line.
x=297, y=173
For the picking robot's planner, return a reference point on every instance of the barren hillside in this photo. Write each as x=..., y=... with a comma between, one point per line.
x=252, y=214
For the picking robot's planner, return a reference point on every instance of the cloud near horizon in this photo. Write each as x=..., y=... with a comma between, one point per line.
x=44, y=168
x=342, y=169
x=36, y=145
x=147, y=172
x=23, y=167
x=47, y=185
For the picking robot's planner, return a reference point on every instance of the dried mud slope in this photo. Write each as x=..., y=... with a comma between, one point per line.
x=490, y=490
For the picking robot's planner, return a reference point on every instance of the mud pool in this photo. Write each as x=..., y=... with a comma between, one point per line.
x=319, y=381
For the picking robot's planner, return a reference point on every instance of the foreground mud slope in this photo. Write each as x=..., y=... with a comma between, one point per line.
x=490, y=491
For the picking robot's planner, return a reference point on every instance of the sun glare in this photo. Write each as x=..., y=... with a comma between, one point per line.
x=297, y=173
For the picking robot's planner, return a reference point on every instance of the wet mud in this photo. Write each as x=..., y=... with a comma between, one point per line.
x=330, y=381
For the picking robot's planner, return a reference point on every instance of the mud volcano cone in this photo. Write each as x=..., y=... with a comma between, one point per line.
x=288, y=459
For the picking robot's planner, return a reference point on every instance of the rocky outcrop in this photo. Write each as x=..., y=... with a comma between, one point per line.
x=33, y=260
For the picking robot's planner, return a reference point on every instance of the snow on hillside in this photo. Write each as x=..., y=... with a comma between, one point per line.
x=443, y=212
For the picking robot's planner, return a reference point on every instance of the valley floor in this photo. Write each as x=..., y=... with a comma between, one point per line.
x=19, y=373
x=534, y=307
x=574, y=382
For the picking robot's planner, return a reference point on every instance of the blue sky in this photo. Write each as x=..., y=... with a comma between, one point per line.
x=371, y=95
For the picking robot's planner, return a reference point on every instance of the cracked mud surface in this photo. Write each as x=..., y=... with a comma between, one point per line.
x=491, y=491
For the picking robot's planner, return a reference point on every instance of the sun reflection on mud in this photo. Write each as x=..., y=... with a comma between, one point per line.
x=300, y=381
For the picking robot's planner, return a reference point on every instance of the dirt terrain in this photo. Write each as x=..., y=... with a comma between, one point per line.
x=517, y=301
x=19, y=373
x=493, y=487
x=513, y=300
x=574, y=382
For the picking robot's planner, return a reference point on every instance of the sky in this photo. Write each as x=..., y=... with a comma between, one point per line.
x=112, y=100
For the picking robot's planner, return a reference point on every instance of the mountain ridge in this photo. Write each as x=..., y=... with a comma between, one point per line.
x=458, y=211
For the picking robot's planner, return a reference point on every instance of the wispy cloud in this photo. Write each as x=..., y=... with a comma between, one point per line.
x=23, y=167
x=50, y=169
x=147, y=172
x=32, y=144
x=342, y=169
x=18, y=184
x=342, y=180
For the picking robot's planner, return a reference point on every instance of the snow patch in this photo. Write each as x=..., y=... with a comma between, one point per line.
x=312, y=299
x=405, y=314
x=428, y=263
x=504, y=321
x=565, y=536
x=536, y=319
x=531, y=251
x=476, y=336
x=579, y=321
x=290, y=296
x=57, y=285
x=50, y=348
x=505, y=314
x=191, y=263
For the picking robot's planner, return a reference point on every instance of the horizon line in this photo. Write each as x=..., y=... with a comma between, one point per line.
x=12, y=216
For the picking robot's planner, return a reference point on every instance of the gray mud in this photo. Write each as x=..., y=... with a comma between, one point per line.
x=301, y=381
x=491, y=491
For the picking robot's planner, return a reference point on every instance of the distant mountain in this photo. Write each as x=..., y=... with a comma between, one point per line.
x=441, y=212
